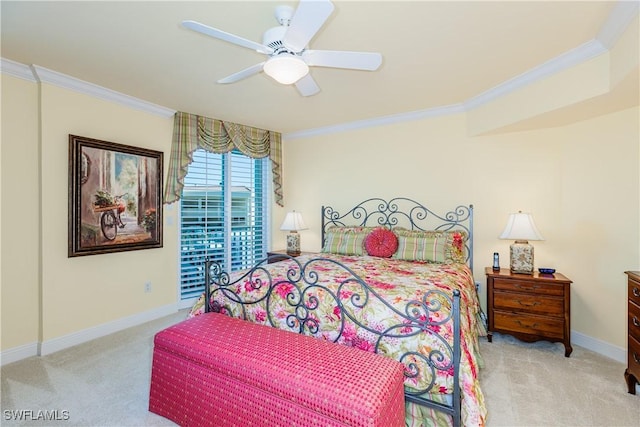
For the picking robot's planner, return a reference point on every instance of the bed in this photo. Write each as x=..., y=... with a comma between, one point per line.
x=393, y=278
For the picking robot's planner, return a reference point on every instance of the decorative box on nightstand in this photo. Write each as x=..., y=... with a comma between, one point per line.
x=531, y=307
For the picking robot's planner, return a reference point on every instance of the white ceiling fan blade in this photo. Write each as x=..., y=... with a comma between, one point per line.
x=247, y=72
x=307, y=20
x=307, y=86
x=228, y=37
x=369, y=61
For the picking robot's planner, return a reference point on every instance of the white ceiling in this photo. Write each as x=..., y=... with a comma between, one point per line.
x=435, y=53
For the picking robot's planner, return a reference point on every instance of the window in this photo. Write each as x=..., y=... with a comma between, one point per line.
x=224, y=215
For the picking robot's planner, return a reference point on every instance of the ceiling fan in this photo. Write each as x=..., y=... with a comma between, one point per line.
x=289, y=58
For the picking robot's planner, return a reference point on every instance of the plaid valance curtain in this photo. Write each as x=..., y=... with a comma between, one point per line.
x=191, y=132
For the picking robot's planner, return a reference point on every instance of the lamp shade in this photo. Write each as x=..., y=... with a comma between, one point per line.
x=293, y=222
x=520, y=226
x=286, y=68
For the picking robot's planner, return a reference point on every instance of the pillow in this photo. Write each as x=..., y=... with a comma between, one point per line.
x=381, y=242
x=345, y=240
x=444, y=247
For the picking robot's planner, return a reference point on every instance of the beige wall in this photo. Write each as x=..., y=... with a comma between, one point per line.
x=545, y=149
x=46, y=295
x=20, y=213
x=580, y=182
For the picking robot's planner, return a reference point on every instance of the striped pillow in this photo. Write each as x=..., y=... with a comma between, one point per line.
x=445, y=247
x=345, y=240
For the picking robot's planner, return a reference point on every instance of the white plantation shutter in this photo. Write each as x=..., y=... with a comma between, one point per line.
x=224, y=215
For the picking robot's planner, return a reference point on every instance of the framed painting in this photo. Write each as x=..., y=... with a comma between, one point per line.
x=115, y=197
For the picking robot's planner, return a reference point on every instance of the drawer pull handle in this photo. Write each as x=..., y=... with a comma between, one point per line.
x=636, y=292
x=636, y=322
x=533, y=304
x=526, y=287
x=525, y=325
x=636, y=358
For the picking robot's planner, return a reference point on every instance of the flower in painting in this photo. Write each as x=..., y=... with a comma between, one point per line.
x=149, y=219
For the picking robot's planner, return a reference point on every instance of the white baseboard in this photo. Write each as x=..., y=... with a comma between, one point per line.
x=56, y=344
x=18, y=353
x=60, y=343
x=614, y=352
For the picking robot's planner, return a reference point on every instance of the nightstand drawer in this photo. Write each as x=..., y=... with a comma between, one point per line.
x=530, y=307
x=634, y=320
x=633, y=356
x=527, y=286
x=529, y=324
x=634, y=291
x=551, y=306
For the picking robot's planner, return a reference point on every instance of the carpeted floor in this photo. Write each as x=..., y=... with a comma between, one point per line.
x=106, y=383
x=533, y=384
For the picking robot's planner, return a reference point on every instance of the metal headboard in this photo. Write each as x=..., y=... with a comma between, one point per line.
x=402, y=212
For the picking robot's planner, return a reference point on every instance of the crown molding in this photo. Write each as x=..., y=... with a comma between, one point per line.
x=45, y=75
x=619, y=19
x=15, y=69
x=39, y=74
x=378, y=121
x=569, y=59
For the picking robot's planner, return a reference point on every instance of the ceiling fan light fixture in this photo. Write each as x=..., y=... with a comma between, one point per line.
x=286, y=69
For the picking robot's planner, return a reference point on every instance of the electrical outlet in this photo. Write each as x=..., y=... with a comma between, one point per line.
x=147, y=287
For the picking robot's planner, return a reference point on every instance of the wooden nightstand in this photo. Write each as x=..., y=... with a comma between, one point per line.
x=279, y=255
x=529, y=307
x=632, y=373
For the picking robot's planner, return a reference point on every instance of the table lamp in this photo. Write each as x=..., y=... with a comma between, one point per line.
x=521, y=228
x=293, y=222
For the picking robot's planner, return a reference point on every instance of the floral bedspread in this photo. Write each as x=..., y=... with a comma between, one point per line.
x=329, y=302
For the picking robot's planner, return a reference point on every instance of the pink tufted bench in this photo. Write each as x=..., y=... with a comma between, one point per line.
x=221, y=371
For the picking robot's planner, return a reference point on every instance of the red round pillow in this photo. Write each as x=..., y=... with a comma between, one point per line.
x=381, y=242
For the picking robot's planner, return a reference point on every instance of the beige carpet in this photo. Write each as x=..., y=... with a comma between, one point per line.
x=106, y=383
x=533, y=384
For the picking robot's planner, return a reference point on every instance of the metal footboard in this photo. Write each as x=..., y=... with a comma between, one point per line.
x=297, y=295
